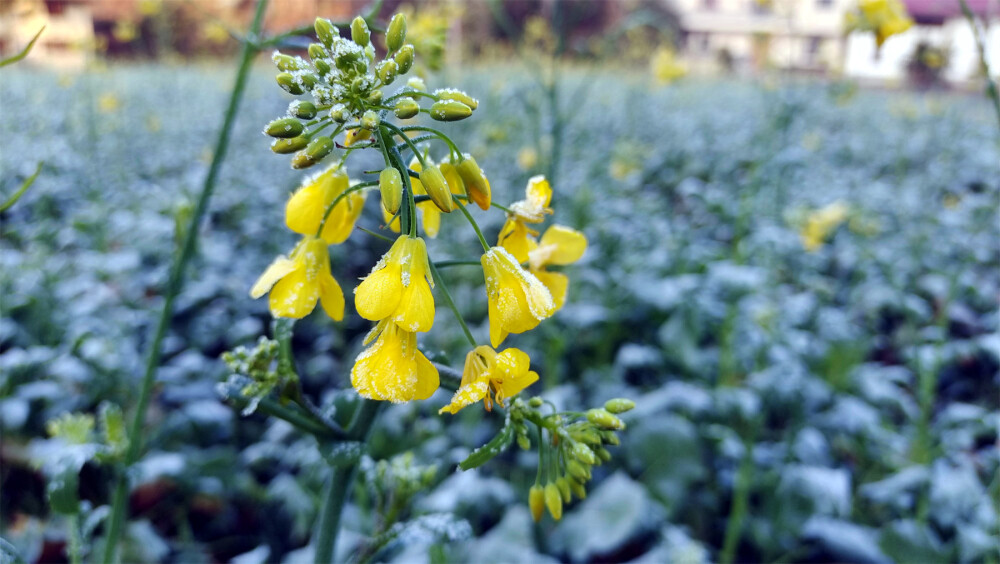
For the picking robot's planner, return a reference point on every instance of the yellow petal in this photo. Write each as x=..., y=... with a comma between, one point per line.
x=430, y=218
x=378, y=295
x=517, y=299
x=514, y=237
x=497, y=333
x=341, y=222
x=538, y=191
x=304, y=209
x=467, y=395
x=415, y=312
x=331, y=297
x=569, y=244
x=294, y=295
x=428, y=379
x=386, y=216
x=453, y=179
x=276, y=271
x=557, y=283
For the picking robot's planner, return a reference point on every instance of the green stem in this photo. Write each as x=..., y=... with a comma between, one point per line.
x=431, y=130
x=479, y=233
x=451, y=303
x=991, y=86
x=447, y=263
x=407, y=220
x=408, y=141
x=411, y=93
x=73, y=523
x=341, y=196
x=374, y=234
x=341, y=480
x=20, y=191
x=120, y=497
x=738, y=510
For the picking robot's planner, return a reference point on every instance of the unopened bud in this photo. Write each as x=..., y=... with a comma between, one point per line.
x=396, y=34
x=347, y=58
x=619, y=405
x=386, y=71
x=536, y=502
x=523, y=441
x=455, y=184
x=308, y=80
x=355, y=135
x=577, y=470
x=317, y=51
x=603, y=454
x=450, y=110
x=476, y=184
x=322, y=67
x=302, y=109
x=359, y=32
x=370, y=120
x=375, y=98
x=553, y=500
x=563, y=484
x=406, y=108
x=610, y=438
x=339, y=114
x=582, y=453
x=284, y=127
x=604, y=419
x=577, y=488
x=390, y=184
x=326, y=31
x=287, y=83
x=417, y=84
x=285, y=62
x=535, y=402
x=434, y=183
x=404, y=58
x=458, y=95
x=285, y=146
x=314, y=152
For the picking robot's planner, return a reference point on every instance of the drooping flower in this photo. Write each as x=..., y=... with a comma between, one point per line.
x=515, y=235
x=518, y=301
x=821, y=223
x=296, y=283
x=399, y=287
x=560, y=245
x=504, y=374
x=307, y=206
x=392, y=368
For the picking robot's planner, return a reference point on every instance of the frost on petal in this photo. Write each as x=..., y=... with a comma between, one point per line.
x=415, y=312
x=557, y=283
x=569, y=244
x=514, y=237
x=378, y=295
x=467, y=395
x=331, y=297
x=274, y=272
x=294, y=295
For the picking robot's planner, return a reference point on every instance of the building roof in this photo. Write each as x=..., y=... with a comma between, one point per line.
x=937, y=11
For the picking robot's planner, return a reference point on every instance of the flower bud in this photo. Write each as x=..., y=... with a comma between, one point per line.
x=577, y=470
x=322, y=67
x=450, y=110
x=285, y=62
x=563, y=484
x=396, y=33
x=535, y=402
x=536, y=502
x=523, y=441
x=577, y=488
x=359, y=32
x=476, y=184
x=326, y=31
x=417, y=84
x=317, y=51
x=308, y=80
x=386, y=71
x=457, y=95
x=314, y=152
x=370, y=120
x=582, y=453
x=302, y=109
x=287, y=83
x=370, y=52
x=346, y=59
x=605, y=420
x=404, y=58
x=553, y=500
x=406, y=108
x=355, y=135
x=284, y=127
x=339, y=114
x=610, y=438
x=434, y=183
x=285, y=146
x=390, y=184
x=619, y=405
x=603, y=454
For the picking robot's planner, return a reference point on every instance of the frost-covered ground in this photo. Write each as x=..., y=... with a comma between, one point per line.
x=849, y=396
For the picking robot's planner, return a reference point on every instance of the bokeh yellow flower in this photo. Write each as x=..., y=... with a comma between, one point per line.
x=821, y=223
x=665, y=66
x=399, y=287
x=518, y=301
x=504, y=374
x=297, y=283
x=307, y=206
x=392, y=368
x=885, y=18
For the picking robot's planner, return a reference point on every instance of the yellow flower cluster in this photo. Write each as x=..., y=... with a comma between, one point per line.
x=820, y=224
x=885, y=18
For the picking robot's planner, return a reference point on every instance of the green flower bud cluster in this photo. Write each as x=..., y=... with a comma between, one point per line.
x=258, y=366
x=577, y=445
x=346, y=84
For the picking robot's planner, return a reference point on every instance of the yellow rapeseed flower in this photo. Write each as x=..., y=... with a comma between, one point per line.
x=665, y=66
x=518, y=301
x=821, y=223
x=505, y=374
x=305, y=209
x=515, y=235
x=392, y=368
x=560, y=245
x=296, y=283
x=883, y=17
x=354, y=135
x=399, y=287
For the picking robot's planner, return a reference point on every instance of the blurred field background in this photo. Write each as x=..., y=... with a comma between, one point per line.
x=794, y=270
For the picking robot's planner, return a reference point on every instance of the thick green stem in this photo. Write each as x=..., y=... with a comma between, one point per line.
x=120, y=498
x=740, y=504
x=341, y=480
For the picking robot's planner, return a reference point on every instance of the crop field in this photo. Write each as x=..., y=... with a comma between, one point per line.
x=796, y=282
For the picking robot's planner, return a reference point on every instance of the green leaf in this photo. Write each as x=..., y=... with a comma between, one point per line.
x=20, y=191
x=485, y=453
x=62, y=489
x=24, y=52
